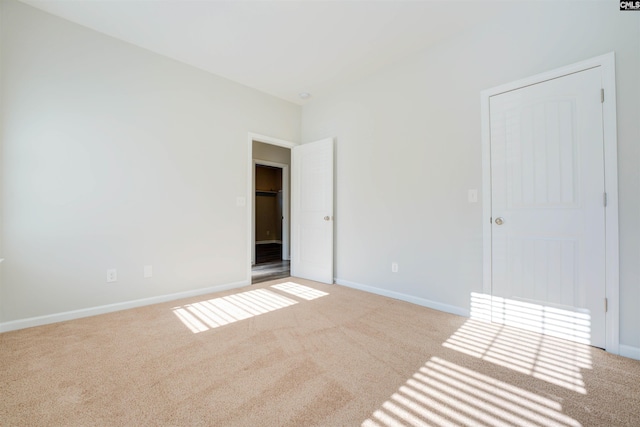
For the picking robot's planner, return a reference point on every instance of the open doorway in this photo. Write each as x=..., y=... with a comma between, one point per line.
x=270, y=246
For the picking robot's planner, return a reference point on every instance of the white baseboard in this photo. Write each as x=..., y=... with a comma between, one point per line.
x=266, y=242
x=406, y=297
x=93, y=311
x=630, y=352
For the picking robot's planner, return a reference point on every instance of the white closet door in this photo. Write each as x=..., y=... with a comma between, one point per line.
x=548, y=229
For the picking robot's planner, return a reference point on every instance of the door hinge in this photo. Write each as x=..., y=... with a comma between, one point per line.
x=606, y=305
x=602, y=96
x=604, y=199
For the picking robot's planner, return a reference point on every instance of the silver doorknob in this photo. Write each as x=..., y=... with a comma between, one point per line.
x=327, y=218
x=499, y=220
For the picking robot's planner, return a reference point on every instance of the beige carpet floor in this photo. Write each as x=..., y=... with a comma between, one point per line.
x=298, y=353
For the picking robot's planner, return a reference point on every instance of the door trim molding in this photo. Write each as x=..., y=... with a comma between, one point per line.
x=251, y=189
x=607, y=64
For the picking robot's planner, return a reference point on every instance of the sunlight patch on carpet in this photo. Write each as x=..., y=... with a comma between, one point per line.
x=565, y=323
x=204, y=315
x=445, y=394
x=555, y=360
x=304, y=292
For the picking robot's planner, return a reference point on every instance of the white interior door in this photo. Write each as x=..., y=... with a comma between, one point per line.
x=312, y=211
x=547, y=208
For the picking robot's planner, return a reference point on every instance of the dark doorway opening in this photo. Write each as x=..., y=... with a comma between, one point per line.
x=270, y=262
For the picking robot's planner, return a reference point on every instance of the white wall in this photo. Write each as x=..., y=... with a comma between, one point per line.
x=114, y=156
x=409, y=148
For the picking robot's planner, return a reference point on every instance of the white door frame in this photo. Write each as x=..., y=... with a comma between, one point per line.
x=285, y=208
x=251, y=190
x=607, y=64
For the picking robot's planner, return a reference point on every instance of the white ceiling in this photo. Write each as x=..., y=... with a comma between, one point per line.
x=279, y=47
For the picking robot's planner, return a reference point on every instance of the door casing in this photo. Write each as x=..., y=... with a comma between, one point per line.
x=607, y=64
x=251, y=190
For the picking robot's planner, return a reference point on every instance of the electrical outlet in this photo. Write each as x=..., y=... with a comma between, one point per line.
x=394, y=267
x=268, y=232
x=148, y=271
x=112, y=275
